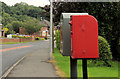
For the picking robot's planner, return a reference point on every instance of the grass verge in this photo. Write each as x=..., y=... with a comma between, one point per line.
x=63, y=63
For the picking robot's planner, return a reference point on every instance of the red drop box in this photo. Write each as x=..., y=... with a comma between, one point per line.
x=84, y=37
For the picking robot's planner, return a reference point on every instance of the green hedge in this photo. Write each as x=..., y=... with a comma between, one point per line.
x=104, y=53
x=58, y=39
x=16, y=36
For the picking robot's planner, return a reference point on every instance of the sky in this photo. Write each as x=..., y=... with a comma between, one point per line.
x=30, y=2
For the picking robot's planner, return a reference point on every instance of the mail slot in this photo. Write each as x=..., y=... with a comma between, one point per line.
x=84, y=36
x=65, y=39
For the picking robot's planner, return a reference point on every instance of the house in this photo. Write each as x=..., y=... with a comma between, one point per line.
x=45, y=29
x=2, y=34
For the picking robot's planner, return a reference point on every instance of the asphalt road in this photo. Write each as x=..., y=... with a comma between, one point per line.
x=13, y=53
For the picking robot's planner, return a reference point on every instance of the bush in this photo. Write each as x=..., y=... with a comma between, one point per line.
x=18, y=36
x=27, y=37
x=58, y=39
x=21, y=36
x=104, y=53
x=14, y=36
x=47, y=37
x=43, y=38
x=37, y=38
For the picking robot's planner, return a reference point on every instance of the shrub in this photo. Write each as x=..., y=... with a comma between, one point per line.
x=37, y=38
x=21, y=36
x=14, y=36
x=43, y=38
x=58, y=39
x=105, y=54
x=27, y=37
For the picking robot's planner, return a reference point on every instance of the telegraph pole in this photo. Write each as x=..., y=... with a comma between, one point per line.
x=51, y=12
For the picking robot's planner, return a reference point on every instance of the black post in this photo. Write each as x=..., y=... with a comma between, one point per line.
x=84, y=64
x=73, y=68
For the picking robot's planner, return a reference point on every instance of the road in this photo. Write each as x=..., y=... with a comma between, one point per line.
x=11, y=53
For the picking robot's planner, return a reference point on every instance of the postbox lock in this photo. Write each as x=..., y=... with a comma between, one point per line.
x=83, y=28
x=84, y=51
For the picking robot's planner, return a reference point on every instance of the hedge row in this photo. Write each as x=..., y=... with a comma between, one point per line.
x=16, y=36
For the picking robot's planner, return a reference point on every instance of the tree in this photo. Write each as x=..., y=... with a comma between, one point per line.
x=19, y=9
x=10, y=29
x=36, y=12
x=16, y=25
x=46, y=14
x=6, y=18
x=22, y=18
x=25, y=9
x=32, y=26
x=5, y=7
x=116, y=35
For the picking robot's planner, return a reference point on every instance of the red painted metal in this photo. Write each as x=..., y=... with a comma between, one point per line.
x=84, y=36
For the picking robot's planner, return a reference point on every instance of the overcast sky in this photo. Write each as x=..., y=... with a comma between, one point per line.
x=30, y=2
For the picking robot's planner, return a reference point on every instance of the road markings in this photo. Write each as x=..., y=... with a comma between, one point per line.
x=3, y=50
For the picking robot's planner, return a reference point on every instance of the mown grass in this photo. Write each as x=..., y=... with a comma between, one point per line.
x=93, y=71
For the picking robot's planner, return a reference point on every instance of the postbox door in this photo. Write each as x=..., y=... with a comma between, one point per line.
x=84, y=37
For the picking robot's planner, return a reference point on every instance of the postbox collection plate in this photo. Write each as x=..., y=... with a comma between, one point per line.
x=84, y=37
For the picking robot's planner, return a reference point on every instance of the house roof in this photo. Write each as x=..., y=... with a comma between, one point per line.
x=47, y=23
x=44, y=28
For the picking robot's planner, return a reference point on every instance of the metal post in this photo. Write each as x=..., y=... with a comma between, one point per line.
x=84, y=64
x=51, y=10
x=73, y=68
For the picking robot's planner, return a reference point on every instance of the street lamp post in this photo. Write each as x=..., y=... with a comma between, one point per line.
x=51, y=10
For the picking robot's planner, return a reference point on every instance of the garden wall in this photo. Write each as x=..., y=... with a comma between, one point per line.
x=3, y=40
x=25, y=39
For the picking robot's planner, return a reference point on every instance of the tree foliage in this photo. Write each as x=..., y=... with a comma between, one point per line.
x=25, y=9
x=6, y=18
x=32, y=26
x=16, y=25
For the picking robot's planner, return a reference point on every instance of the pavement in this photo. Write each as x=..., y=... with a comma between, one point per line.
x=35, y=64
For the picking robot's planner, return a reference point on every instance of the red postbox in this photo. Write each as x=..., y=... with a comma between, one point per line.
x=84, y=36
